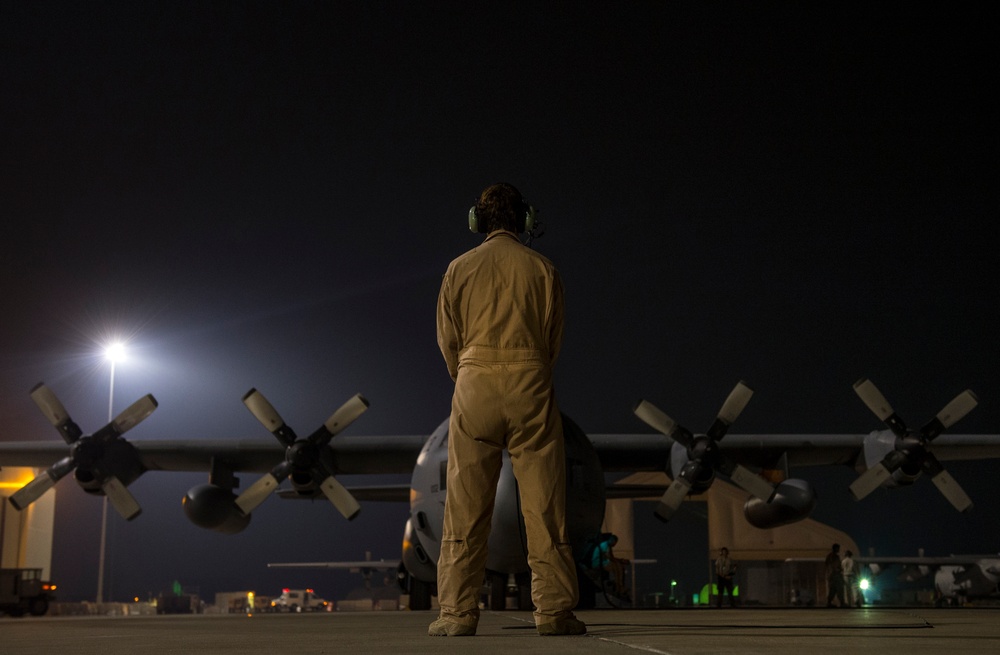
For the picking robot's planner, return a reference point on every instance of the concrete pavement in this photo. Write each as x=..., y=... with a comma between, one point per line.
x=914, y=631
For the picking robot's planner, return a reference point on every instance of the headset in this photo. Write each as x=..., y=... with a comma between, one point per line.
x=528, y=223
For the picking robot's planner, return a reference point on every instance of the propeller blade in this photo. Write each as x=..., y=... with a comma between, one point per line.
x=951, y=490
x=672, y=499
x=121, y=498
x=876, y=402
x=952, y=413
x=731, y=409
x=340, y=497
x=873, y=398
x=32, y=491
x=58, y=470
x=135, y=413
x=869, y=481
x=55, y=413
x=753, y=483
x=264, y=412
x=946, y=484
x=956, y=410
x=651, y=415
x=257, y=493
x=735, y=403
x=343, y=417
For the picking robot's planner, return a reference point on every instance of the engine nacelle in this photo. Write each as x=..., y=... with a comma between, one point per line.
x=678, y=458
x=877, y=445
x=213, y=507
x=118, y=458
x=87, y=480
x=304, y=484
x=903, y=478
x=793, y=501
x=415, y=558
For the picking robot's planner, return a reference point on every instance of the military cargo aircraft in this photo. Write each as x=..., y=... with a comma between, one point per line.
x=104, y=463
x=958, y=579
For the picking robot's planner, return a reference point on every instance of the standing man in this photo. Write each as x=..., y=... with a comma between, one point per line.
x=725, y=571
x=835, y=576
x=851, y=592
x=499, y=327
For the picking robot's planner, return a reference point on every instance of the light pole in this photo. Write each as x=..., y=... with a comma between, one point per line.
x=114, y=353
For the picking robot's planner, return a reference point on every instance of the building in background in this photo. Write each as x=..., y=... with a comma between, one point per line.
x=25, y=536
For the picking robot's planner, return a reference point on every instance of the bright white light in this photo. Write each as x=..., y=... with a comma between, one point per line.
x=115, y=352
x=864, y=584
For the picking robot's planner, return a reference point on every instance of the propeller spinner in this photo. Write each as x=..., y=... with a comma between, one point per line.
x=911, y=451
x=703, y=452
x=302, y=455
x=104, y=455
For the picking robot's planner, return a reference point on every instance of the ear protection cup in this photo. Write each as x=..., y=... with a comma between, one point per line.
x=527, y=223
x=529, y=219
x=473, y=222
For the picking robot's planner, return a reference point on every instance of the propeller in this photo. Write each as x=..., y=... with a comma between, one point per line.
x=104, y=455
x=302, y=455
x=704, y=456
x=911, y=451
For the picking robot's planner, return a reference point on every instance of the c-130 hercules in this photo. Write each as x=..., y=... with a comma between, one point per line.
x=104, y=463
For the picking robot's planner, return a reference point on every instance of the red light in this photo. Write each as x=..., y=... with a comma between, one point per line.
x=284, y=591
x=310, y=591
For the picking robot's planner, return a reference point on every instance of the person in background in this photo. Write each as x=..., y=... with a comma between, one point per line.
x=725, y=571
x=851, y=592
x=835, y=577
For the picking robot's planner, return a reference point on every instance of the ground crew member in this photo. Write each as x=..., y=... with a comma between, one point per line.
x=725, y=571
x=499, y=327
x=835, y=577
x=851, y=592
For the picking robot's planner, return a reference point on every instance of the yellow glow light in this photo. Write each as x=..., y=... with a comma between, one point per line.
x=26, y=477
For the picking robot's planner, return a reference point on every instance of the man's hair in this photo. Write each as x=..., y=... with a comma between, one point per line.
x=501, y=207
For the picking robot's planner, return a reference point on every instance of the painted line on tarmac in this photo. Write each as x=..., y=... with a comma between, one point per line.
x=645, y=649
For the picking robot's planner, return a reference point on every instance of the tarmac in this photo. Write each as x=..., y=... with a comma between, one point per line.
x=913, y=631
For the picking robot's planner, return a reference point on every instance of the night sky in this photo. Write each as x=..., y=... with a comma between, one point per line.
x=265, y=194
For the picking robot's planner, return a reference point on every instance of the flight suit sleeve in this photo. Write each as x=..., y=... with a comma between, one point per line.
x=556, y=320
x=447, y=331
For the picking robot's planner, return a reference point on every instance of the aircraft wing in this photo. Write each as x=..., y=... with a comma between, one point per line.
x=649, y=452
x=383, y=492
x=398, y=453
x=353, y=454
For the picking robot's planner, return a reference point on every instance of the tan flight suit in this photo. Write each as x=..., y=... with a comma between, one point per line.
x=500, y=323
